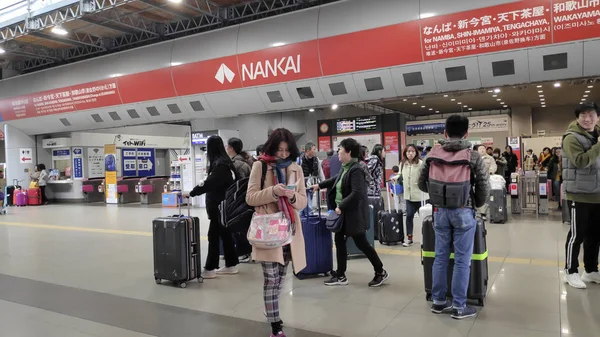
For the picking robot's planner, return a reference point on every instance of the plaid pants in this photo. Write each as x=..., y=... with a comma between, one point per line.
x=274, y=275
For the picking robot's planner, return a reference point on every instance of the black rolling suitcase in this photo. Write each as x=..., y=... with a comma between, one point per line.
x=478, y=281
x=177, y=249
x=391, y=225
x=497, y=206
x=377, y=203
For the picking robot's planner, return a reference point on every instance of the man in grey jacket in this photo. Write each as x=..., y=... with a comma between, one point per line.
x=455, y=191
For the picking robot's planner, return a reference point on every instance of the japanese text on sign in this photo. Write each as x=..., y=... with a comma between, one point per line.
x=575, y=19
x=486, y=33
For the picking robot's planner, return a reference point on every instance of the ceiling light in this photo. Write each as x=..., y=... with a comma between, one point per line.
x=59, y=31
x=334, y=107
x=311, y=110
x=506, y=106
x=430, y=109
x=587, y=91
x=490, y=90
x=585, y=95
x=470, y=108
x=176, y=1
x=539, y=86
x=543, y=106
x=541, y=95
x=502, y=103
x=557, y=85
x=583, y=99
x=422, y=106
x=277, y=44
x=445, y=95
x=494, y=95
x=437, y=111
x=115, y=75
x=404, y=100
x=542, y=99
x=414, y=103
x=459, y=103
x=426, y=15
x=466, y=106
x=453, y=99
x=540, y=91
x=175, y=64
x=497, y=90
x=498, y=99
x=590, y=86
x=2, y=51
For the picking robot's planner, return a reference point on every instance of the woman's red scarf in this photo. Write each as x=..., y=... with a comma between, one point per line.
x=283, y=203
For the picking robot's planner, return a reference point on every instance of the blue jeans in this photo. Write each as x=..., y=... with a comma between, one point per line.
x=453, y=226
x=412, y=207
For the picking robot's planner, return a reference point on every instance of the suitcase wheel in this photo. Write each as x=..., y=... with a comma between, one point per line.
x=428, y=297
x=200, y=280
x=480, y=302
x=183, y=285
x=158, y=281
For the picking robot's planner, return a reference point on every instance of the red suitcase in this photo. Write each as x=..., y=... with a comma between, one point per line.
x=34, y=196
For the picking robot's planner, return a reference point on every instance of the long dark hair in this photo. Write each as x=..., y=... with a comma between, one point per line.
x=405, y=158
x=281, y=135
x=216, y=154
x=238, y=147
x=377, y=150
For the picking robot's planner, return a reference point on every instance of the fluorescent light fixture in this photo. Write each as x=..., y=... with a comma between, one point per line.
x=430, y=109
x=459, y=103
x=59, y=31
x=498, y=99
x=466, y=106
x=115, y=75
x=541, y=95
x=505, y=106
x=175, y=64
x=426, y=15
x=422, y=106
x=437, y=111
x=585, y=95
x=445, y=95
x=414, y=103
x=470, y=109
x=404, y=100
x=590, y=86
x=334, y=107
x=539, y=86
x=540, y=91
x=587, y=91
x=176, y=1
x=2, y=51
x=557, y=85
x=497, y=90
x=543, y=106
x=490, y=90
x=453, y=99
x=542, y=99
x=494, y=95
x=311, y=110
x=278, y=44
x=502, y=103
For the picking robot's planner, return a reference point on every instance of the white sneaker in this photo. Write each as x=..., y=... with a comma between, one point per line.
x=209, y=274
x=227, y=271
x=591, y=277
x=408, y=243
x=574, y=280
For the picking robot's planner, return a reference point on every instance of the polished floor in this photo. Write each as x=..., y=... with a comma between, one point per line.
x=77, y=270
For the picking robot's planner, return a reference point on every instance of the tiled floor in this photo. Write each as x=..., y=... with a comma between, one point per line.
x=75, y=270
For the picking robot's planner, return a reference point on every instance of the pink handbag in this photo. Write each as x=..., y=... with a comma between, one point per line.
x=268, y=231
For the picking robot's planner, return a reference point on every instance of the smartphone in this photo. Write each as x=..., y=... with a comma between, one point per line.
x=291, y=187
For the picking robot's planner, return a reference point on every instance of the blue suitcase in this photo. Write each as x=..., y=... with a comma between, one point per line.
x=319, y=246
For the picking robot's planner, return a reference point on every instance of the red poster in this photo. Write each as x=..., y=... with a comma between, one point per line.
x=509, y=26
x=575, y=20
x=206, y=76
x=281, y=64
x=390, y=141
x=324, y=143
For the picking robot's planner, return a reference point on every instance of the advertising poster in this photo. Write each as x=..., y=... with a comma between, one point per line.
x=95, y=162
x=61, y=154
x=146, y=164
x=390, y=142
x=324, y=143
x=515, y=143
x=78, y=163
x=110, y=165
x=128, y=162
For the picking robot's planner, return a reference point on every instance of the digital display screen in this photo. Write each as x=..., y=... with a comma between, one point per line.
x=358, y=124
x=199, y=138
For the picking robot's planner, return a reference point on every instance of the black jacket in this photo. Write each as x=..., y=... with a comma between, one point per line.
x=215, y=186
x=310, y=167
x=511, y=162
x=355, y=203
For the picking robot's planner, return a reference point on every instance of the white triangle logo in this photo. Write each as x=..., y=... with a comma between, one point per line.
x=224, y=73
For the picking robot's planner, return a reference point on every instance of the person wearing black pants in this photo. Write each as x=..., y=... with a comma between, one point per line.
x=347, y=195
x=221, y=175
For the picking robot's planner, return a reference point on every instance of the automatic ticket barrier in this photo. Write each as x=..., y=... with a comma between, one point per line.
x=93, y=190
x=126, y=190
x=150, y=189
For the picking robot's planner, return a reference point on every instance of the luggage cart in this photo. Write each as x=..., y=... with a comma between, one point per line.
x=529, y=193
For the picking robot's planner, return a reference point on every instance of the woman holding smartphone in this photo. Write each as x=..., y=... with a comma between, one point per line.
x=282, y=190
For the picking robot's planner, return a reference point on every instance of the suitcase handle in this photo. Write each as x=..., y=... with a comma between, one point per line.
x=318, y=193
x=180, y=201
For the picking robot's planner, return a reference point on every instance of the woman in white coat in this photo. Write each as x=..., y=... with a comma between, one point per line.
x=409, y=170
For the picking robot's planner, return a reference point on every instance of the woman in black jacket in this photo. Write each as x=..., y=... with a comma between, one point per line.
x=220, y=176
x=347, y=195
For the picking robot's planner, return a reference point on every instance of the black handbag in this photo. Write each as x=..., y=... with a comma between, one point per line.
x=334, y=222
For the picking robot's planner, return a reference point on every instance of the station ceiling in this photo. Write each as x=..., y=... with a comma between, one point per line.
x=97, y=27
x=537, y=95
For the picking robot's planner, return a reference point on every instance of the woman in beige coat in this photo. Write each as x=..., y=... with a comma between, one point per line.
x=283, y=190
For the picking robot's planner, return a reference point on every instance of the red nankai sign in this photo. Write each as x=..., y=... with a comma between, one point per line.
x=517, y=24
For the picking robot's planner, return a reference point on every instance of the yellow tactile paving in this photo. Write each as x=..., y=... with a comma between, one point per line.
x=383, y=251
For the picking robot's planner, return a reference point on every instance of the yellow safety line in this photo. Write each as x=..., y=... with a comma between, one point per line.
x=383, y=251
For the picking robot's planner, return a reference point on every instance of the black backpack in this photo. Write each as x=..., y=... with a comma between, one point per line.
x=235, y=213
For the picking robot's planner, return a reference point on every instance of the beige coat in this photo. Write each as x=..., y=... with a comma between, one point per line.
x=265, y=203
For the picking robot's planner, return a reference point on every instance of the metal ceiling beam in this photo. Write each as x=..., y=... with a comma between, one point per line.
x=57, y=17
x=131, y=20
x=31, y=50
x=212, y=9
x=166, y=9
x=78, y=40
x=109, y=25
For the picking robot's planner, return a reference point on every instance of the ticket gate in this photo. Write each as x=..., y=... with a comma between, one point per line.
x=126, y=190
x=150, y=189
x=93, y=190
